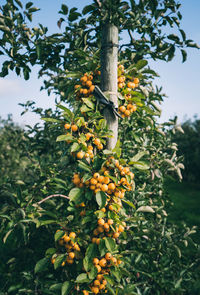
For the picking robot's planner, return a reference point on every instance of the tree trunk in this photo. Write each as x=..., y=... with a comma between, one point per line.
x=109, y=58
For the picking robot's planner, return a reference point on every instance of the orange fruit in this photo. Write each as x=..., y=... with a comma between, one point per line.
x=95, y=290
x=127, y=113
x=95, y=261
x=66, y=239
x=67, y=126
x=98, y=241
x=116, y=235
x=103, y=210
x=106, y=226
x=100, y=146
x=80, y=155
x=89, y=83
x=136, y=81
x=77, y=86
x=134, y=108
x=99, y=185
x=111, y=208
x=91, y=88
x=101, y=221
x=122, y=109
x=93, y=181
x=96, y=175
x=111, y=186
x=85, y=292
x=94, y=240
x=104, y=188
x=69, y=261
x=120, y=228
x=102, y=287
x=108, y=256
x=110, y=221
x=97, y=141
x=71, y=255
x=85, y=91
x=100, y=229
x=90, y=77
x=97, y=283
x=103, y=262
x=84, y=79
x=106, y=179
x=74, y=128
x=92, y=187
x=72, y=235
x=114, y=260
x=104, y=282
x=100, y=277
x=101, y=178
x=98, y=267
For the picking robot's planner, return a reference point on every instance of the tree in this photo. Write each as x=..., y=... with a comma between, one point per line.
x=87, y=203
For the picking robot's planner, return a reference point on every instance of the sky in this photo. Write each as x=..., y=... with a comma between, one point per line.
x=180, y=81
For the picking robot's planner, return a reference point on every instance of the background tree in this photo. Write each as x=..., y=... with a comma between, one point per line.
x=157, y=245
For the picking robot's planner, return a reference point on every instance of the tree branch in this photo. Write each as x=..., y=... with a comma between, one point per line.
x=53, y=196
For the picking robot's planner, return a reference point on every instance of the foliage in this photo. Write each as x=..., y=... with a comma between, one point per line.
x=188, y=142
x=74, y=222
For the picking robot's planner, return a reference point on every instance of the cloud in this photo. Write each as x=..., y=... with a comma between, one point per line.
x=9, y=87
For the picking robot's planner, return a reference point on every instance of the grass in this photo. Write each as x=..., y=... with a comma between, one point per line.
x=186, y=200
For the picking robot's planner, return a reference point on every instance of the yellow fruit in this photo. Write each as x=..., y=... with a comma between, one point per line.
x=94, y=240
x=83, y=79
x=95, y=261
x=103, y=262
x=77, y=86
x=63, y=263
x=100, y=277
x=93, y=181
x=80, y=155
x=96, y=175
x=127, y=113
x=92, y=187
x=120, y=228
x=114, y=260
x=92, y=88
x=101, y=221
x=74, y=128
x=72, y=235
x=95, y=290
x=97, y=141
x=122, y=109
x=97, y=283
x=110, y=207
x=71, y=255
x=103, y=210
x=100, y=146
x=89, y=84
x=69, y=261
x=106, y=226
x=136, y=81
x=100, y=229
x=104, y=188
x=102, y=287
x=116, y=235
x=110, y=221
x=106, y=179
x=108, y=256
x=67, y=126
x=66, y=238
x=101, y=178
x=98, y=241
x=111, y=186
x=98, y=268
x=85, y=292
x=104, y=282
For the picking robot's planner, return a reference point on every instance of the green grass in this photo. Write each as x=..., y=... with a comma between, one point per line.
x=186, y=203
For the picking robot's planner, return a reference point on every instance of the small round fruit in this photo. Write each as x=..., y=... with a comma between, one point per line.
x=110, y=207
x=71, y=255
x=102, y=287
x=96, y=261
x=104, y=188
x=136, y=81
x=127, y=113
x=101, y=221
x=74, y=128
x=96, y=175
x=66, y=239
x=103, y=262
x=108, y=256
x=94, y=240
x=67, y=126
x=104, y=282
x=89, y=84
x=122, y=109
x=106, y=226
x=120, y=228
x=85, y=292
x=80, y=155
x=97, y=283
x=93, y=181
x=111, y=186
x=101, y=178
x=72, y=235
x=95, y=290
x=100, y=277
x=69, y=261
x=97, y=141
x=98, y=268
x=110, y=221
x=116, y=235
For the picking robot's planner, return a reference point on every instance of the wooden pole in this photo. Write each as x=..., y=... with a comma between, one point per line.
x=109, y=58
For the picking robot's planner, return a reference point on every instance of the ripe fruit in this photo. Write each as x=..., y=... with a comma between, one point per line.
x=69, y=261
x=101, y=221
x=101, y=178
x=93, y=181
x=89, y=84
x=72, y=235
x=96, y=175
x=116, y=235
x=111, y=186
x=67, y=126
x=120, y=228
x=104, y=188
x=97, y=283
x=85, y=292
x=110, y=221
x=74, y=128
x=96, y=261
x=95, y=290
x=66, y=238
x=103, y=262
x=100, y=277
x=83, y=79
x=104, y=282
x=98, y=267
x=136, y=81
x=97, y=141
x=102, y=287
x=108, y=256
x=122, y=109
x=80, y=155
x=106, y=226
x=110, y=207
x=71, y=255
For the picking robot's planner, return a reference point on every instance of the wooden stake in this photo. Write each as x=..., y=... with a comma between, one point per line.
x=109, y=58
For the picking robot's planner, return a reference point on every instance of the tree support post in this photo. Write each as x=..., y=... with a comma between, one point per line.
x=109, y=58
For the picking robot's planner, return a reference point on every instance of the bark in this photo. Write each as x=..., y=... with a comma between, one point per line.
x=109, y=58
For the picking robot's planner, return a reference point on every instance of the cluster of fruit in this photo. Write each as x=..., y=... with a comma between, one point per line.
x=89, y=154
x=71, y=248
x=126, y=87
x=107, y=228
x=86, y=87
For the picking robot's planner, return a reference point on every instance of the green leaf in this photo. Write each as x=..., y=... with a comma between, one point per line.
x=89, y=103
x=64, y=9
x=64, y=137
x=117, y=149
x=138, y=156
x=184, y=55
x=66, y=288
x=91, y=252
x=93, y=273
x=50, y=251
x=33, y=9
x=140, y=165
x=28, y=5
x=58, y=235
x=82, y=278
x=59, y=260
x=52, y=120
x=116, y=273
x=84, y=109
x=141, y=64
x=75, y=147
x=84, y=166
x=110, y=244
x=55, y=287
x=87, y=9
x=66, y=111
x=129, y=203
x=101, y=199
x=145, y=209
x=19, y=3
x=75, y=195
x=42, y=265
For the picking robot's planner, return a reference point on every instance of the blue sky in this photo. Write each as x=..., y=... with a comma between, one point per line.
x=180, y=81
